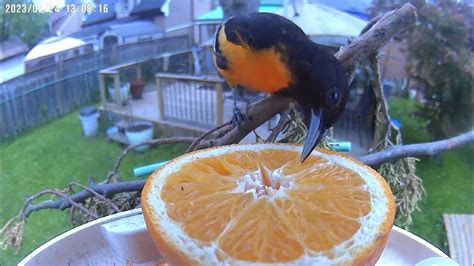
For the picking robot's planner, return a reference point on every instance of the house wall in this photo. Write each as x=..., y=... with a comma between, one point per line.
x=71, y=24
x=12, y=67
x=124, y=7
x=393, y=61
x=180, y=13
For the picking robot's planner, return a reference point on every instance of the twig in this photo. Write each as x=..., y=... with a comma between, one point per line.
x=104, y=199
x=415, y=150
x=150, y=142
x=203, y=136
x=107, y=190
x=284, y=118
x=383, y=121
x=66, y=201
x=257, y=114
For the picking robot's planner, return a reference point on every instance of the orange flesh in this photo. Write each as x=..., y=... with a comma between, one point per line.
x=216, y=200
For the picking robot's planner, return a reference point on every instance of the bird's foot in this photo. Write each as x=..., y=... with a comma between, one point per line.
x=238, y=117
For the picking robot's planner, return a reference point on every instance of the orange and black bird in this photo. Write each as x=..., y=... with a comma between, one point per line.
x=269, y=53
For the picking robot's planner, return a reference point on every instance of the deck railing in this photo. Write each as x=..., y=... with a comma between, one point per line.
x=190, y=101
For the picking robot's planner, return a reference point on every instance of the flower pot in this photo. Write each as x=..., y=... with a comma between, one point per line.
x=124, y=93
x=112, y=131
x=136, y=89
x=90, y=120
x=139, y=133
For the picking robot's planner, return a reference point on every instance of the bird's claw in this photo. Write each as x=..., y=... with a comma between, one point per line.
x=238, y=117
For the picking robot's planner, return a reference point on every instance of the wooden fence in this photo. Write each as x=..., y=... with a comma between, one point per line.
x=50, y=92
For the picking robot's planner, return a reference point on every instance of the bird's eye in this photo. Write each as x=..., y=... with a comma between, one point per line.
x=332, y=98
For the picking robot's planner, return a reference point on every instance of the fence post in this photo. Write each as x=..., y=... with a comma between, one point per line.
x=161, y=102
x=166, y=63
x=138, y=72
x=118, y=90
x=219, y=103
x=102, y=88
x=60, y=85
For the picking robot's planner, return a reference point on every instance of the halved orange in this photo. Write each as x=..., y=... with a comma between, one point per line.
x=257, y=204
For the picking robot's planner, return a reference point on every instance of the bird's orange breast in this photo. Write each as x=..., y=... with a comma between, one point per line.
x=262, y=70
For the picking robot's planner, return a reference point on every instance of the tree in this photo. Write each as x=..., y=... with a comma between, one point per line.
x=439, y=55
x=440, y=60
x=30, y=27
x=233, y=8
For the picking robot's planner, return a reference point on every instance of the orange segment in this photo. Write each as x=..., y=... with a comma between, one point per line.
x=318, y=230
x=260, y=234
x=258, y=204
x=202, y=224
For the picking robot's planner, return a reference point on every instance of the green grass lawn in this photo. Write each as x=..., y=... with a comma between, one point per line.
x=448, y=178
x=51, y=157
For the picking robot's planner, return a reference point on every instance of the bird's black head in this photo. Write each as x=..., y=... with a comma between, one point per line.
x=327, y=100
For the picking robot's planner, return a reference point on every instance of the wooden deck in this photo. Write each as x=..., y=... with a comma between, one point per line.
x=147, y=109
x=459, y=228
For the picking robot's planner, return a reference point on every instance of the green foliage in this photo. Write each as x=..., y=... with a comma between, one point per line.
x=439, y=57
x=414, y=128
x=30, y=27
x=439, y=53
x=51, y=157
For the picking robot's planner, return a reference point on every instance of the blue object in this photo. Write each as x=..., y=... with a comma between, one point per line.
x=112, y=130
x=397, y=123
x=218, y=13
x=341, y=146
x=148, y=169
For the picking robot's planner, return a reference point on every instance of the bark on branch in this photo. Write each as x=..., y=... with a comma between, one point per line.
x=395, y=152
x=66, y=201
x=415, y=150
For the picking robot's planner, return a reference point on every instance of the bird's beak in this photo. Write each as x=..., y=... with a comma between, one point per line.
x=315, y=133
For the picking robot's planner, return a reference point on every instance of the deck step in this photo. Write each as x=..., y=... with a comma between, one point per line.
x=120, y=137
x=459, y=228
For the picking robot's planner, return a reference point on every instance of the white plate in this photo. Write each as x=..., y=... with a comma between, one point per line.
x=99, y=242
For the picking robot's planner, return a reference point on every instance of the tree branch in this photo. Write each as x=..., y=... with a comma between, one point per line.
x=100, y=197
x=66, y=201
x=415, y=150
x=257, y=113
x=205, y=135
x=284, y=118
x=395, y=152
x=376, y=36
